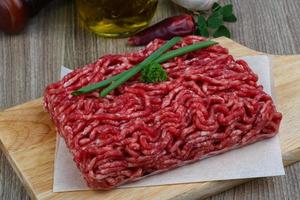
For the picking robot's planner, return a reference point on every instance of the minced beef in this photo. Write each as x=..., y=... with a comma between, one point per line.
x=210, y=104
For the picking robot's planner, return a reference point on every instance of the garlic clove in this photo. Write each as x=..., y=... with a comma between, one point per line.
x=195, y=5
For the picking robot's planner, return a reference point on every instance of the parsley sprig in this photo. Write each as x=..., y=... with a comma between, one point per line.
x=214, y=23
x=153, y=73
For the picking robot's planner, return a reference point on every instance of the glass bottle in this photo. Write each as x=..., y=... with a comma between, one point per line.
x=116, y=18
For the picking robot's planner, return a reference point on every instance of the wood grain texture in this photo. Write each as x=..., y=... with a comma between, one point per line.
x=31, y=60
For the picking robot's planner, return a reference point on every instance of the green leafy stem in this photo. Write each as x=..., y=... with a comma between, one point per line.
x=214, y=23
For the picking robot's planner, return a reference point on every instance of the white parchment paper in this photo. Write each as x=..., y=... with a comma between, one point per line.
x=261, y=159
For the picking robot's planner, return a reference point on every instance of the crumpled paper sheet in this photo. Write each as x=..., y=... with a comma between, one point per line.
x=261, y=159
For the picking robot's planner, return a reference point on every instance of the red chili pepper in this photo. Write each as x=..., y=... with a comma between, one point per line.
x=181, y=25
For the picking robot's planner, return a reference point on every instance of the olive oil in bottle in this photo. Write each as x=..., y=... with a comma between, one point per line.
x=116, y=18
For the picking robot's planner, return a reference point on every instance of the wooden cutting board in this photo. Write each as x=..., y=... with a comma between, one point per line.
x=27, y=138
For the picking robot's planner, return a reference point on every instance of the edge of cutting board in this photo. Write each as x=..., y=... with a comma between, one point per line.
x=27, y=138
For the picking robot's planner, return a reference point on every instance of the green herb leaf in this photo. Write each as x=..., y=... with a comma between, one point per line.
x=231, y=18
x=202, y=26
x=216, y=7
x=222, y=31
x=204, y=33
x=153, y=73
x=227, y=10
x=201, y=22
x=215, y=20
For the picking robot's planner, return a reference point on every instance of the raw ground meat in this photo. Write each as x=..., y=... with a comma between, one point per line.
x=209, y=105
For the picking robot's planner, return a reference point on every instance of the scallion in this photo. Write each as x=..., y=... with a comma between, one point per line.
x=156, y=57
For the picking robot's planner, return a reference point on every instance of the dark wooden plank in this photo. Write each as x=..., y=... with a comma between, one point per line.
x=32, y=59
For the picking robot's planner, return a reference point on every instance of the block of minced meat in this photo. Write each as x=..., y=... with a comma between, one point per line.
x=210, y=104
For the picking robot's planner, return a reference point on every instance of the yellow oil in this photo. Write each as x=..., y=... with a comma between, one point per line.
x=116, y=18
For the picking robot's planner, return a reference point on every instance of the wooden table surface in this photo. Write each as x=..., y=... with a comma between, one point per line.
x=32, y=59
